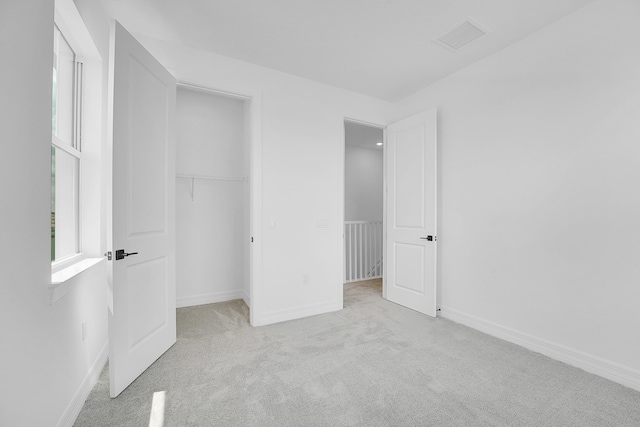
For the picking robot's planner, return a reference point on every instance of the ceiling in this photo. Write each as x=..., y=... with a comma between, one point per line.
x=381, y=48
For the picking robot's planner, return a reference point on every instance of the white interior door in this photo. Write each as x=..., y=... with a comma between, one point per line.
x=142, y=322
x=410, y=259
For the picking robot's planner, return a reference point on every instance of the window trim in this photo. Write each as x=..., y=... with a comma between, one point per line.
x=64, y=272
x=75, y=147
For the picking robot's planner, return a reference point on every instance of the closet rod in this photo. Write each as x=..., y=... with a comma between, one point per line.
x=212, y=178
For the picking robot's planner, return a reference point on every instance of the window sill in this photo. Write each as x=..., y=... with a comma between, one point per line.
x=61, y=282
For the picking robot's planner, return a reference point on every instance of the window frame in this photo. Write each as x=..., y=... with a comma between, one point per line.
x=73, y=147
x=70, y=272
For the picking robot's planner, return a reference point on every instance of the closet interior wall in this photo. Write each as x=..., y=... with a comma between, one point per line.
x=212, y=200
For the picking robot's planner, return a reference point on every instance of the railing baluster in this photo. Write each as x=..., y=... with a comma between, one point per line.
x=348, y=251
x=345, y=229
x=372, y=265
x=380, y=248
x=354, y=232
x=359, y=275
x=379, y=232
x=374, y=246
x=366, y=251
x=350, y=254
x=363, y=250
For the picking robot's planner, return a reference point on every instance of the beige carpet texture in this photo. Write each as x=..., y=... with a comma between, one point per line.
x=374, y=363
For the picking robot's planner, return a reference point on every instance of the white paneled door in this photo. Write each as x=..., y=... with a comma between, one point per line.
x=410, y=260
x=142, y=320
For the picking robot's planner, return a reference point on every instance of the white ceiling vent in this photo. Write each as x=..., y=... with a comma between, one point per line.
x=462, y=35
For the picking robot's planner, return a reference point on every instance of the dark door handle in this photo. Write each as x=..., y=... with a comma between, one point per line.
x=121, y=254
x=429, y=238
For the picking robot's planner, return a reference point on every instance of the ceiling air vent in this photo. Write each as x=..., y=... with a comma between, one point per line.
x=462, y=35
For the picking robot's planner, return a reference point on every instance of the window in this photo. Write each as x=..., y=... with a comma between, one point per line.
x=76, y=153
x=66, y=115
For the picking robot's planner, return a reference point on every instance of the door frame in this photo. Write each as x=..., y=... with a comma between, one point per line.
x=254, y=98
x=341, y=202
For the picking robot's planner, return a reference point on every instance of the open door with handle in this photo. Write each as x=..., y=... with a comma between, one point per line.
x=411, y=220
x=141, y=216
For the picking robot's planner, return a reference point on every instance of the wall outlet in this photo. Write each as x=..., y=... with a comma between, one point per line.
x=305, y=279
x=322, y=223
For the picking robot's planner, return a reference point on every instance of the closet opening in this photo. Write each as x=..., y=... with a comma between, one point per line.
x=364, y=205
x=212, y=197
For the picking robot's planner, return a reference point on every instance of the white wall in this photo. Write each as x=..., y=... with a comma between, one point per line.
x=539, y=230
x=212, y=226
x=46, y=368
x=540, y=170
x=539, y=161
x=301, y=161
x=299, y=129
x=363, y=184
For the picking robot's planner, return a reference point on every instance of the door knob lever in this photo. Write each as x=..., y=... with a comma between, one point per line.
x=121, y=254
x=429, y=238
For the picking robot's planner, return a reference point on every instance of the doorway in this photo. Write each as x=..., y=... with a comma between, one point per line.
x=363, y=204
x=212, y=197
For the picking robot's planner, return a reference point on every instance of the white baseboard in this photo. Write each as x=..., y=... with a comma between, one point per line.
x=210, y=298
x=596, y=365
x=75, y=406
x=277, y=316
x=247, y=298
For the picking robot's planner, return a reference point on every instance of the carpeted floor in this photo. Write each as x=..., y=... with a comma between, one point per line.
x=372, y=364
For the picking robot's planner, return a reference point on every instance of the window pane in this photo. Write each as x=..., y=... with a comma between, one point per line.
x=63, y=89
x=64, y=194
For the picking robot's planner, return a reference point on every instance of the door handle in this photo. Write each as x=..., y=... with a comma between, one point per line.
x=429, y=238
x=121, y=254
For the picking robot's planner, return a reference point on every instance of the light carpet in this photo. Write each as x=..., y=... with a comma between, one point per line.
x=373, y=363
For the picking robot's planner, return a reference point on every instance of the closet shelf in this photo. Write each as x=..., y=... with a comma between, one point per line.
x=193, y=178
x=211, y=178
